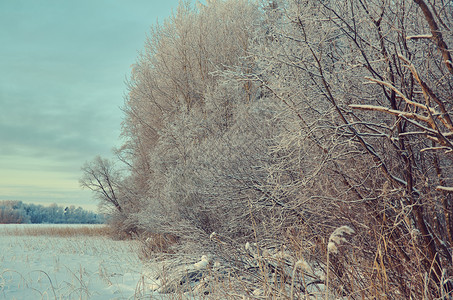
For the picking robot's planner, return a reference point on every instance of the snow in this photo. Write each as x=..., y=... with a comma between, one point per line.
x=76, y=267
x=202, y=264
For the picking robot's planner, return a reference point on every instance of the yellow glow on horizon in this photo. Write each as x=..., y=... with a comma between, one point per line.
x=42, y=181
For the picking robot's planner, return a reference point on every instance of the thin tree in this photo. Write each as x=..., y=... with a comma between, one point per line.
x=101, y=177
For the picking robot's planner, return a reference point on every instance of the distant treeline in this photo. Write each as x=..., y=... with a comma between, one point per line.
x=17, y=212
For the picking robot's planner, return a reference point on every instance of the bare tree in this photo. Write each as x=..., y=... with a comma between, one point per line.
x=101, y=177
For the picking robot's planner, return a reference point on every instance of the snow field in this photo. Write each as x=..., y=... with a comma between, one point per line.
x=76, y=267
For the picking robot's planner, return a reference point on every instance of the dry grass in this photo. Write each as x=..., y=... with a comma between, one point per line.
x=152, y=243
x=60, y=231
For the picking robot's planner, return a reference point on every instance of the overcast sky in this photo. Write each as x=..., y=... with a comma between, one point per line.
x=63, y=65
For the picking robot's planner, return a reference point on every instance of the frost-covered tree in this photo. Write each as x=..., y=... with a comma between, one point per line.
x=13, y=212
x=181, y=102
x=367, y=91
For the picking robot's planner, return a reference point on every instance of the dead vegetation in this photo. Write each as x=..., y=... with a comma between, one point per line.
x=58, y=231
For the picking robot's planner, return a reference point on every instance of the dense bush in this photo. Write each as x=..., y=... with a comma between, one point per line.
x=317, y=129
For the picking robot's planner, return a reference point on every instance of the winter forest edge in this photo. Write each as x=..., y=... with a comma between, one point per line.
x=299, y=143
x=17, y=212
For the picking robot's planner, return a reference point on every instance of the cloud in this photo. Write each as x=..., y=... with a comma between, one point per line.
x=62, y=70
x=41, y=125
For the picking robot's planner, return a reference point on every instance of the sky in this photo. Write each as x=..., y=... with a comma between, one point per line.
x=63, y=67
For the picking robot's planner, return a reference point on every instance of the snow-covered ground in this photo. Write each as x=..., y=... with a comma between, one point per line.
x=78, y=267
